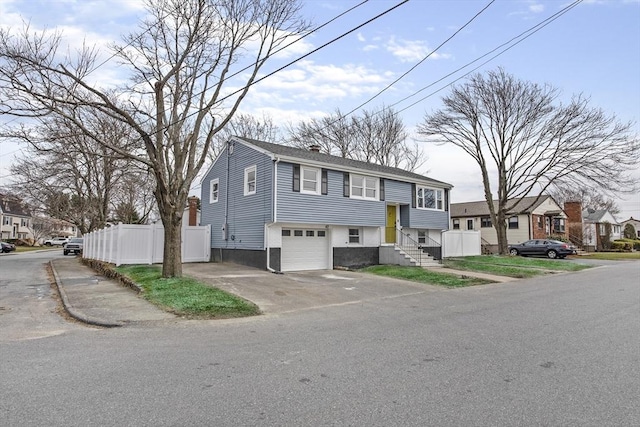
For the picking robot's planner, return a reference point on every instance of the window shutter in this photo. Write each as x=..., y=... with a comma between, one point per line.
x=446, y=200
x=345, y=184
x=413, y=195
x=382, y=189
x=324, y=185
x=296, y=178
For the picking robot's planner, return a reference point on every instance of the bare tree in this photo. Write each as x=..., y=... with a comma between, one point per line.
x=41, y=227
x=533, y=142
x=588, y=198
x=377, y=136
x=182, y=89
x=245, y=126
x=67, y=175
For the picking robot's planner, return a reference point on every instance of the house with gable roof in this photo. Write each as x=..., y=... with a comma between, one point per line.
x=15, y=219
x=530, y=217
x=286, y=209
x=600, y=228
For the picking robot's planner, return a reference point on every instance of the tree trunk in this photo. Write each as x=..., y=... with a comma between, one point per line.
x=172, y=265
x=501, y=232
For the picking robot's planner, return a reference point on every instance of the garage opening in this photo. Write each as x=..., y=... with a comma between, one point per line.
x=304, y=249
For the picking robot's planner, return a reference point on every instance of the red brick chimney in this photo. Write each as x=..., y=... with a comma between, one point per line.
x=573, y=211
x=193, y=210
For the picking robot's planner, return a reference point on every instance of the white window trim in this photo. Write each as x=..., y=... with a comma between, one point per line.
x=318, y=173
x=247, y=170
x=360, y=236
x=365, y=179
x=436, y=190
x=213, y=182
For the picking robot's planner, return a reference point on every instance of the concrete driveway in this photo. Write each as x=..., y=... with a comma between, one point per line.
x=289, y=292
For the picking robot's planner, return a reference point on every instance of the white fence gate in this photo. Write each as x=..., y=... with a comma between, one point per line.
x=461, y=243
x=144, y=244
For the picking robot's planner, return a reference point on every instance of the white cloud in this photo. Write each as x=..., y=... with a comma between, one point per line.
x=361, y=37
x=411, y=50
x=536, y=8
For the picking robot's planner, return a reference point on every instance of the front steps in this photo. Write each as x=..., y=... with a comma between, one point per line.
x=395, y=255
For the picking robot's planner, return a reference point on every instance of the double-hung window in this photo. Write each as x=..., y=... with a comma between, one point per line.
x=214, y=190
x=485, y=222
x=250, y=180
x=310, y=180
x=513, y=223
x=364, y=187
x=354, y=235
x=429, y=198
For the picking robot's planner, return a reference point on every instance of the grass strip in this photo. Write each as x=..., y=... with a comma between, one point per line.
x=418, y=274
x=519, y=261
x=185, y=296
x=518, y=267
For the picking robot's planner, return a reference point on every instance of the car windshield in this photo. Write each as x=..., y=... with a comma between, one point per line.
x=78, y=240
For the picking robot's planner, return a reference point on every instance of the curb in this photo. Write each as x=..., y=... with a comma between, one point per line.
x=71, y=311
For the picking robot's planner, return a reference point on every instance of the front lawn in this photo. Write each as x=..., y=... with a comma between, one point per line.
x=418, y=274
x=186, y=296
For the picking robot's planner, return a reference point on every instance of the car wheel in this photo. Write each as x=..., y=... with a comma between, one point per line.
x=65, y=253
x=552, y=254
x=513, y=252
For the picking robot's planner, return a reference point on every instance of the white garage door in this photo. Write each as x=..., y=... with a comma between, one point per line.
x=304, y=249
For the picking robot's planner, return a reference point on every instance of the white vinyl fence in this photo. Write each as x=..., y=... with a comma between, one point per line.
x=144, y=244
x=461, y=243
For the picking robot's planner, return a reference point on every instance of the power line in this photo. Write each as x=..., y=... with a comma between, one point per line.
x=531, y=30
x=523, y=36
x=421, y=61
x=314, y=50
x=294, y=61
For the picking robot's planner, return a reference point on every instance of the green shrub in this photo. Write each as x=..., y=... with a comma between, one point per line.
x=621, y=246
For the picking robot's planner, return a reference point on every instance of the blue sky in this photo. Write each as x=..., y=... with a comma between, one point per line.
x=593, y=49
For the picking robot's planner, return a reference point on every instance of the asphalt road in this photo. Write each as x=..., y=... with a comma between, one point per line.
x=556, y=351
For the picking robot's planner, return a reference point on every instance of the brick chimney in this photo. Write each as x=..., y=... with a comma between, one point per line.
x=573, y=211
x=193, y=210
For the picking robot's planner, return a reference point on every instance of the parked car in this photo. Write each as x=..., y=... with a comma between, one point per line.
x=56, y=241
x=544, y=247
x=7, y=247
x=75, y=245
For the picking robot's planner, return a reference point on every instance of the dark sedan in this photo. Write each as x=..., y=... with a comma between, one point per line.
x=7, y=247
x=543, y=247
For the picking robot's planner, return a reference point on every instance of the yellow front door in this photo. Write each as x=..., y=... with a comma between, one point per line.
x=390, y=235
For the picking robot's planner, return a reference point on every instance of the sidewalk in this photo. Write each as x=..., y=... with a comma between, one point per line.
x=99, y=301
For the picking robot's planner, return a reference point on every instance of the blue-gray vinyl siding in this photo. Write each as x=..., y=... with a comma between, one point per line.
x=400, y=192
x=246, y=214
x=332, y=208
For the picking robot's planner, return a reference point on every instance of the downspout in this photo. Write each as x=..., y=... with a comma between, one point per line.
x=225, y=225
x=274, y=212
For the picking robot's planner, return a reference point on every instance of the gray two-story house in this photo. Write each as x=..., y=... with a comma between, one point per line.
x=287, y=209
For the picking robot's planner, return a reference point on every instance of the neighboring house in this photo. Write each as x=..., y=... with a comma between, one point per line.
x=15, y=219
x=634, y=223
x=529, y=219
x=286, y=209
x=191, y=215
x=600, y=228
x=52, y=227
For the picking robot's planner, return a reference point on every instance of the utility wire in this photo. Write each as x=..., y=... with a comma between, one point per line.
x=523, y=35
x=313, y=51
x=294, y=61
x=419, y=62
